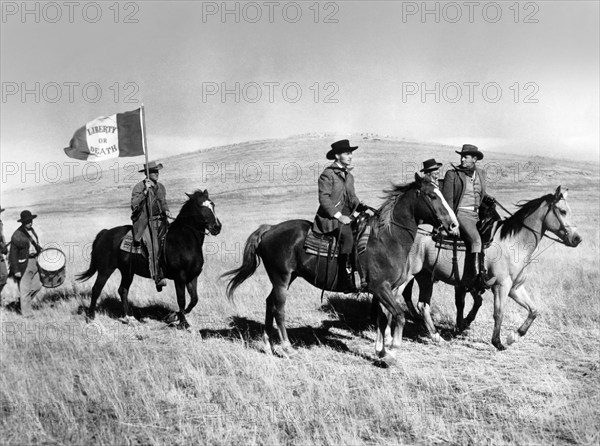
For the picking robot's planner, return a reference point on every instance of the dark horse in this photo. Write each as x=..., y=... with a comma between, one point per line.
x=181, y=260
x=281, y=249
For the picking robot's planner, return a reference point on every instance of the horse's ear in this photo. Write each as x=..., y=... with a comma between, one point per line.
x=189, y=196
x=558, y=193
x=418, y=179
x=205, y=192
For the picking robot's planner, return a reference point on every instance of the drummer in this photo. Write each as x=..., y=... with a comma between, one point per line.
x=25, y=247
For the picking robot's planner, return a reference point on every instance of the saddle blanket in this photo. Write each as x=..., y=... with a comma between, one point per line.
x=127, y=245
x=444, y=241
x=318, y=244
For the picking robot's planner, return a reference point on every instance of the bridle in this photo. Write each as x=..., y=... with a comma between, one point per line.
x=563, y=229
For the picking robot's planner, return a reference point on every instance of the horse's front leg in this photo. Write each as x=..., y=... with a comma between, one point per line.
x=519, y=295
x=500, y=294
x=192, y=288
x=385, y=296
x=180, y=290
x=383, y=317
x=459, y=301
x=477, y=300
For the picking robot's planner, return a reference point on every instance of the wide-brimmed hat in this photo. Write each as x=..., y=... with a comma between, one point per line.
x=26, y=217
x=338, y=147
x=152, y=166
x=430, y=165
x=469, y=149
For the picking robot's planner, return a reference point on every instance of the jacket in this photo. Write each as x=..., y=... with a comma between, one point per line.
x=157, y=198
x=453, y=186
x=19, y=251
x=334, y=191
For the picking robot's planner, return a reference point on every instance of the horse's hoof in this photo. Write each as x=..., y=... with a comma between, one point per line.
x=289, y=351
x=171, y=319
x=437, y=338
x=513, y=338
x=90, y=317
x=386, y=361
x=129, y=320
x=183, y=326
x=499, y=346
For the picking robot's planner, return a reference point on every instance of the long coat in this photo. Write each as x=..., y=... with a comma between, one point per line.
x=157, y=199
x=334, y=191
x=453, y=187
x=19, y=251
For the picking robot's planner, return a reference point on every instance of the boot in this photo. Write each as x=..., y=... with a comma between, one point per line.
x=360, y=281
x=344, y=279
x=483, y=281
x=470, y=271
x=159, y=280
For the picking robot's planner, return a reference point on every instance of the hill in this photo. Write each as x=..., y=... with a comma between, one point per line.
x=64, y=380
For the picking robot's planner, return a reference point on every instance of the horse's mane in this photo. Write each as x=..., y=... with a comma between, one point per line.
x=188, y=204
x=387, y=208
x=515, y=222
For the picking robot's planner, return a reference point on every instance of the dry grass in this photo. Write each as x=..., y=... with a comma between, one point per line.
x=67, y=382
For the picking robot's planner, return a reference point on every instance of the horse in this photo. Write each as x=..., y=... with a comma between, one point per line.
x=280, y=247
x=506, y=258
x=181, y=258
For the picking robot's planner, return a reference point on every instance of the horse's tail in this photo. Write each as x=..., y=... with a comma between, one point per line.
x=93, y=268
x=250, y=263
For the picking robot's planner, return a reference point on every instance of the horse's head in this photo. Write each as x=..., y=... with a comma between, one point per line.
x=432, y=208
x=558, y=219
x=203, y=210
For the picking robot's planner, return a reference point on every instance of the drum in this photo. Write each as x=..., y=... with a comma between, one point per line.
x=52, y=267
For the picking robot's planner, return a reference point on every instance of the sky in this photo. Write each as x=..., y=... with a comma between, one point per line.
x=506, y=76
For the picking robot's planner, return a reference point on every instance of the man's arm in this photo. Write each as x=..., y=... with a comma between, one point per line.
x=137, y=196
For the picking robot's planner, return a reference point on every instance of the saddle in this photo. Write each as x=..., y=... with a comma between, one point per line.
x=128, y=245
x=326, y=245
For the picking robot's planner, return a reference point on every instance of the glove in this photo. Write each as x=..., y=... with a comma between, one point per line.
x=489, y=200
x=361, y=207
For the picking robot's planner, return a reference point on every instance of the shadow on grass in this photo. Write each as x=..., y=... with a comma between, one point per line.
x=111, y=306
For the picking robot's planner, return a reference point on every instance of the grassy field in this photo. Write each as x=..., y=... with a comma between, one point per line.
x=66, y=381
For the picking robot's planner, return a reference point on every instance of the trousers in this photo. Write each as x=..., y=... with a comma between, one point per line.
x=29, y=286
x=468, y=229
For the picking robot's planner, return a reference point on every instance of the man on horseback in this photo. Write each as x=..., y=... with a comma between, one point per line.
x=149, y=216
x=464, y=190
x=431, y=171
x=337, y=202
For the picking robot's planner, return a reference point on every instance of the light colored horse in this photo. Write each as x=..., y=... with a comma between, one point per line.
x=506, y=259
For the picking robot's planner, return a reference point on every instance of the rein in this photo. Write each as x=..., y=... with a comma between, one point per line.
x=542, y=233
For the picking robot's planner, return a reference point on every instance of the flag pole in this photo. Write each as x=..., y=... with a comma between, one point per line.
x=144, y=143
x=148, y=206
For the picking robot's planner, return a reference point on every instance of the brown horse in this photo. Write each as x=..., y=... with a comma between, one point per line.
x=281, y=249
x=506, y=259
x=182, y=259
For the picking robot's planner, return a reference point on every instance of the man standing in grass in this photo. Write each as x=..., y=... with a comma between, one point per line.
x=3, y=251
x=25, y=247
x=149, y=215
